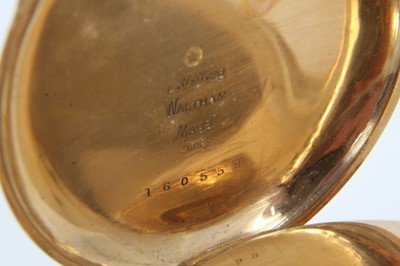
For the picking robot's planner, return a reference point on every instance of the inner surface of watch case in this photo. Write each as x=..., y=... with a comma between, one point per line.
x=150, y=131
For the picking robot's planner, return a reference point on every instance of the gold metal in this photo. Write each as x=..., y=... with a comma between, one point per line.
x=334, y=244
x=147, y=132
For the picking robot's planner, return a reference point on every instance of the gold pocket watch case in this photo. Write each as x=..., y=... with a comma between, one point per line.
x=148, y=132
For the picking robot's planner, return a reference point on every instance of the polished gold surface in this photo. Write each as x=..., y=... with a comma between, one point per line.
x=332, y=244
x=146, y=132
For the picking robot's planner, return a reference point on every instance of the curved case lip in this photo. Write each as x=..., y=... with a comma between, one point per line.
x=40, y=235
x=372, y=243
x=25, y=12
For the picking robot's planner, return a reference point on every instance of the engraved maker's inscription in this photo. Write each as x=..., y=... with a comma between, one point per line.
x=176, y=106
x=200, y=93
x=198, y=78
x=191, y=130
x=199, y=145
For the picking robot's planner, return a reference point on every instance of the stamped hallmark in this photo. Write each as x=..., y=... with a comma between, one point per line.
x=248, y=259
x=193, y=56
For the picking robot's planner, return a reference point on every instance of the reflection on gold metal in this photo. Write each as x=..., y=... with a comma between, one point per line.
x=198, y=198
x=258, y=7
x=146, y=132
x=335, y=244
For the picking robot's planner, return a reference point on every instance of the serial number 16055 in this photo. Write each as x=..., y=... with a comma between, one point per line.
x=186, y=181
